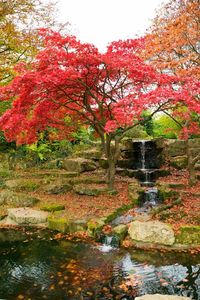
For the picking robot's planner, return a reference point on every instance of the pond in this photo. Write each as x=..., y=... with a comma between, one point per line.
x=36, y=266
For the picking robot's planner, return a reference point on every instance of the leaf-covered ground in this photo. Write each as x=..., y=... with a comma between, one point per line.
x=86, y=207
x=188, y=212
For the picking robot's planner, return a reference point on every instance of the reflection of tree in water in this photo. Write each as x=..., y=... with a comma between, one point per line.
x=191, y=282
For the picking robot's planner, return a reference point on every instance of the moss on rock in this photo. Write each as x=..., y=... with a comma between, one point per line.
x=59, y=222
x=188, y=235
x=89, y=191
x=120, y=231
x=52, y=207
x=95, y=226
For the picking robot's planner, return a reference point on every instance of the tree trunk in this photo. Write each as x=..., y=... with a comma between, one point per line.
x=192, y=180
x=112, y=154
x=111, y=174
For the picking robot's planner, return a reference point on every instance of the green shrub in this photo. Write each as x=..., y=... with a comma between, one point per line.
x=137, y=132
x=165, y=127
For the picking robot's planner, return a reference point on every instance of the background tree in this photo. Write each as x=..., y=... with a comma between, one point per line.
x=174, y=39
x=19, y=40
x=107, y=91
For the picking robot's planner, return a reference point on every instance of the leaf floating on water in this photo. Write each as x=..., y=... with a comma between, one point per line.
x=61, y=282
x=20, y=297
x=52, y=287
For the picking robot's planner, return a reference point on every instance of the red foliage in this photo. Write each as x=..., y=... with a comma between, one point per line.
x=69, y=78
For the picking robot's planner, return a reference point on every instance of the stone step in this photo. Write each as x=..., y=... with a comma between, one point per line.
x=28, y=216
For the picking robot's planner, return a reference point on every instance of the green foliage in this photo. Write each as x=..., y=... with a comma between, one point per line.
x=137, y=132
x=148, y=123
x=60, y=149
x=83, y=134
x=40, y=150
x=164, y=126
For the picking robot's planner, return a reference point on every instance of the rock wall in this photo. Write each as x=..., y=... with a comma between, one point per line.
x=175, y=151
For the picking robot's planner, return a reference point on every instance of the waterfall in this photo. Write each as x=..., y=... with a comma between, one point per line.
x=146, y=162
x=143, y=152
x=110, y=242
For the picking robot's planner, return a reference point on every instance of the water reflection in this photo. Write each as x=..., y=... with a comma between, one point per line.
x=49, y=269
x=171, y=279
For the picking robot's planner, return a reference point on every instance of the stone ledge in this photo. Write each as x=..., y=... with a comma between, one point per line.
x=25, y=215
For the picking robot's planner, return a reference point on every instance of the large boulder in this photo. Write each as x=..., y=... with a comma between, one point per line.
x=28, y=216
x=152, y=232
x=161, y=297
x=16, y=199
x=58, y=188
x=78, y=165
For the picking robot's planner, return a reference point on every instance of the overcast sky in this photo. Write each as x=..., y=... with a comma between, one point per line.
x=102, y=21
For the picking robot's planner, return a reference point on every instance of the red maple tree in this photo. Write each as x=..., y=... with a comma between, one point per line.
x=108, y=91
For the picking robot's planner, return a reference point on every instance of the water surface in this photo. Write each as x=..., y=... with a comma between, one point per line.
x=35, y=266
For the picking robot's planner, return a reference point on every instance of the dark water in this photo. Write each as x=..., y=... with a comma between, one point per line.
x=39, y=267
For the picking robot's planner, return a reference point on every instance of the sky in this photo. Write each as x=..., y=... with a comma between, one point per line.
x=102, y=21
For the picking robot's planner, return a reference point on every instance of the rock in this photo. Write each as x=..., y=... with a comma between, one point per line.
x=124, y=163
x=95, y=225
x=134, y=189
x=78, y=225
x=122, y=220
x=87, y=190
x=103, y=162
x=194, y=143
x=23, y=184
x=175, y=147
x=152, y=232
x=25, y=215
x=58, y=188
x=161, y=297
x=79, y=165
x=197, y=167
x=120, y=231
x=164, y=192
x=52, y=207
x=142, y=218
x=179, y=162
x=176, y=185
x=93, y=153
x=59, y=222
x=8, y=221
x=86, y=180
x=188, y=235
x=17, y=199
x=193, y=152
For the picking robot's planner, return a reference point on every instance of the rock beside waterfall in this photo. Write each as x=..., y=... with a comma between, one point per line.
x=152, y=232
x=161, y=297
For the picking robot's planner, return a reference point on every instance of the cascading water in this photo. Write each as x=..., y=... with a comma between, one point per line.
x=146, y=167
x=140, y=158
x=146, y=163
x=109, y=242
